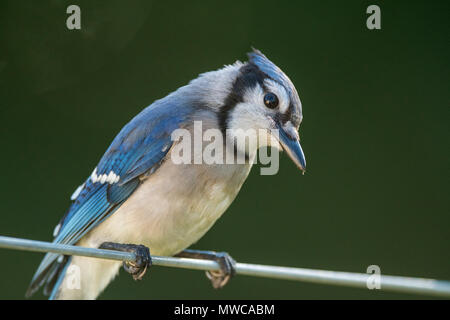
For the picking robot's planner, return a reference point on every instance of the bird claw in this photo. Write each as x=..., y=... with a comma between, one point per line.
x=143, y=258
x=219, y=278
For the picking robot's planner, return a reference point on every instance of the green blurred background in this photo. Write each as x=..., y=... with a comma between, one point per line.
x=375, y=132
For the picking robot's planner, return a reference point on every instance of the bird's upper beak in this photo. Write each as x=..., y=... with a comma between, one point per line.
x=290, y=142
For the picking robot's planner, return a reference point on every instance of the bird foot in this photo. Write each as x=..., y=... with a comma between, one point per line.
x=143, y=258
x=218, y=278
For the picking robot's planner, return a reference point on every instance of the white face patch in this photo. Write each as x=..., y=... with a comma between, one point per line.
x=110, y=178
x=254, y=96
x=250, y=114
x=281, y=93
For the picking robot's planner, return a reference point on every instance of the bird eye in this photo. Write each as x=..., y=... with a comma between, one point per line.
x=271, y=100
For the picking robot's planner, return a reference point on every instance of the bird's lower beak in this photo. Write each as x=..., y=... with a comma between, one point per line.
x=290, y=142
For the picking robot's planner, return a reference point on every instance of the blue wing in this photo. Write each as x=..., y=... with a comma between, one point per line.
x=138, y=149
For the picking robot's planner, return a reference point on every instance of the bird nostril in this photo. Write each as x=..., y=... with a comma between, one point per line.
x=291, y=132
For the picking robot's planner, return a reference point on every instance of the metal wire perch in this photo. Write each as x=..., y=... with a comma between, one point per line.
x=388, y=283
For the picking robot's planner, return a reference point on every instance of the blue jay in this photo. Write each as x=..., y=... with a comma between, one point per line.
x=137, y=198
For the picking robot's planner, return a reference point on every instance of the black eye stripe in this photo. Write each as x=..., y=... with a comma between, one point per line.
x=249, y=76
x=286, y=116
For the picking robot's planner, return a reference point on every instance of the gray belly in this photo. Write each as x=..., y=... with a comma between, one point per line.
x=173, y=208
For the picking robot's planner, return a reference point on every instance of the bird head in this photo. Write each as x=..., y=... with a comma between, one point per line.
x=262, y=97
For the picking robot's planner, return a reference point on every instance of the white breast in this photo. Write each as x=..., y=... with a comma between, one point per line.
x=173, y=208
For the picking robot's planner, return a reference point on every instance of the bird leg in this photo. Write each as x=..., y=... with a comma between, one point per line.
x=143, y=259
x=219, y=278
